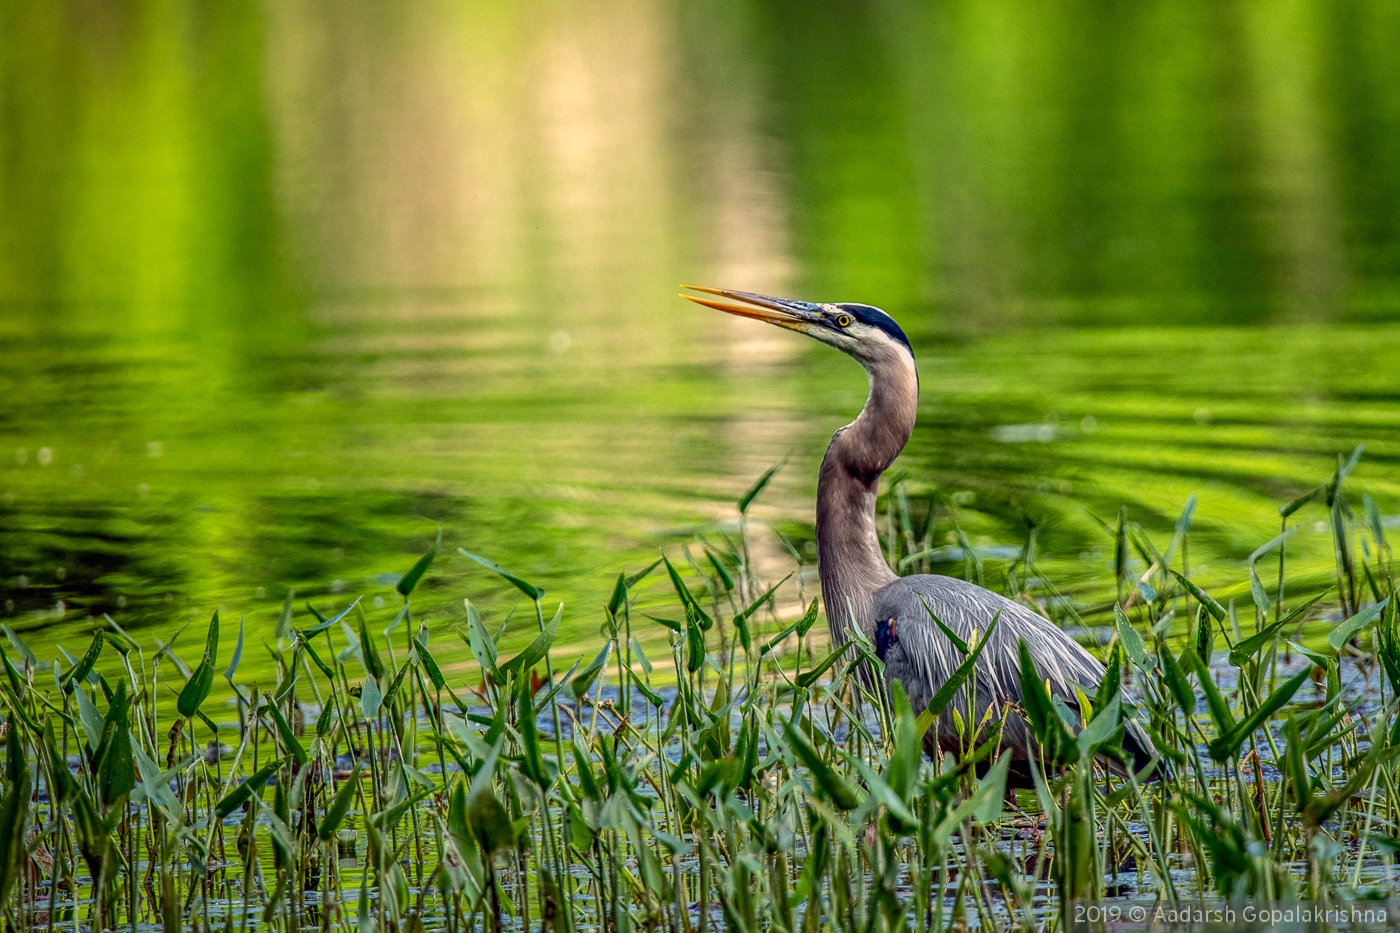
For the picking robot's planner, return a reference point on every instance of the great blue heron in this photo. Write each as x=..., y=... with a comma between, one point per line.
x=859, y=588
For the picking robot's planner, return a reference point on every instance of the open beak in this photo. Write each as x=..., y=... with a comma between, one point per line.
x=785, y=312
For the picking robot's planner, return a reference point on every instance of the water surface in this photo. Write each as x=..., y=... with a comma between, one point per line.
x=285, y=288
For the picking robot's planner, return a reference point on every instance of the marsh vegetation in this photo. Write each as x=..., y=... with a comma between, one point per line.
x=740, y=781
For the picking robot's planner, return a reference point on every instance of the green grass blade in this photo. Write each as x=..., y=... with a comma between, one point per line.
x=197, y=688
x=410, y=580
x=1229, y=744
x=747, y=498
x=944, y=696
x=529, y=589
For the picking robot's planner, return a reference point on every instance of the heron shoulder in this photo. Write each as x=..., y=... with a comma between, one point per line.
x=965, y=607
x=962, y=606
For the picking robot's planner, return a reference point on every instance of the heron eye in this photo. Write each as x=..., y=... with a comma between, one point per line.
x=843, y=320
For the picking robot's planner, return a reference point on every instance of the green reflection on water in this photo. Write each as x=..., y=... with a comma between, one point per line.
x=285, y=288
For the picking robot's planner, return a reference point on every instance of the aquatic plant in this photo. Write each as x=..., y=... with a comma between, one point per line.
x=740, y=783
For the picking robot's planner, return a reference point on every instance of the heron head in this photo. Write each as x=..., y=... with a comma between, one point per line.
x=864, y=332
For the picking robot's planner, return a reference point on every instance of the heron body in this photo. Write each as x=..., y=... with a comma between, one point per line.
x=860, y=590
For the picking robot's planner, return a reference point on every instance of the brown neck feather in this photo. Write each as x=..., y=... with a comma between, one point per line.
x=849, y=557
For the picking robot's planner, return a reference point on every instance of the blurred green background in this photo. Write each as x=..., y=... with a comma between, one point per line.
x=286, y=285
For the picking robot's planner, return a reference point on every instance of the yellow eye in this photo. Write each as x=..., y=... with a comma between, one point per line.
x=843, y=320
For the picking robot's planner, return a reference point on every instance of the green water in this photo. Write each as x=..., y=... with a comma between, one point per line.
x=286, y=286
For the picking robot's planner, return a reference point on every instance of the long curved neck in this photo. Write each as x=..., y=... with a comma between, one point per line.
x=849, y=558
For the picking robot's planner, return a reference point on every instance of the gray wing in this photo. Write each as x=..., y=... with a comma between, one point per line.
x=922, y=658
